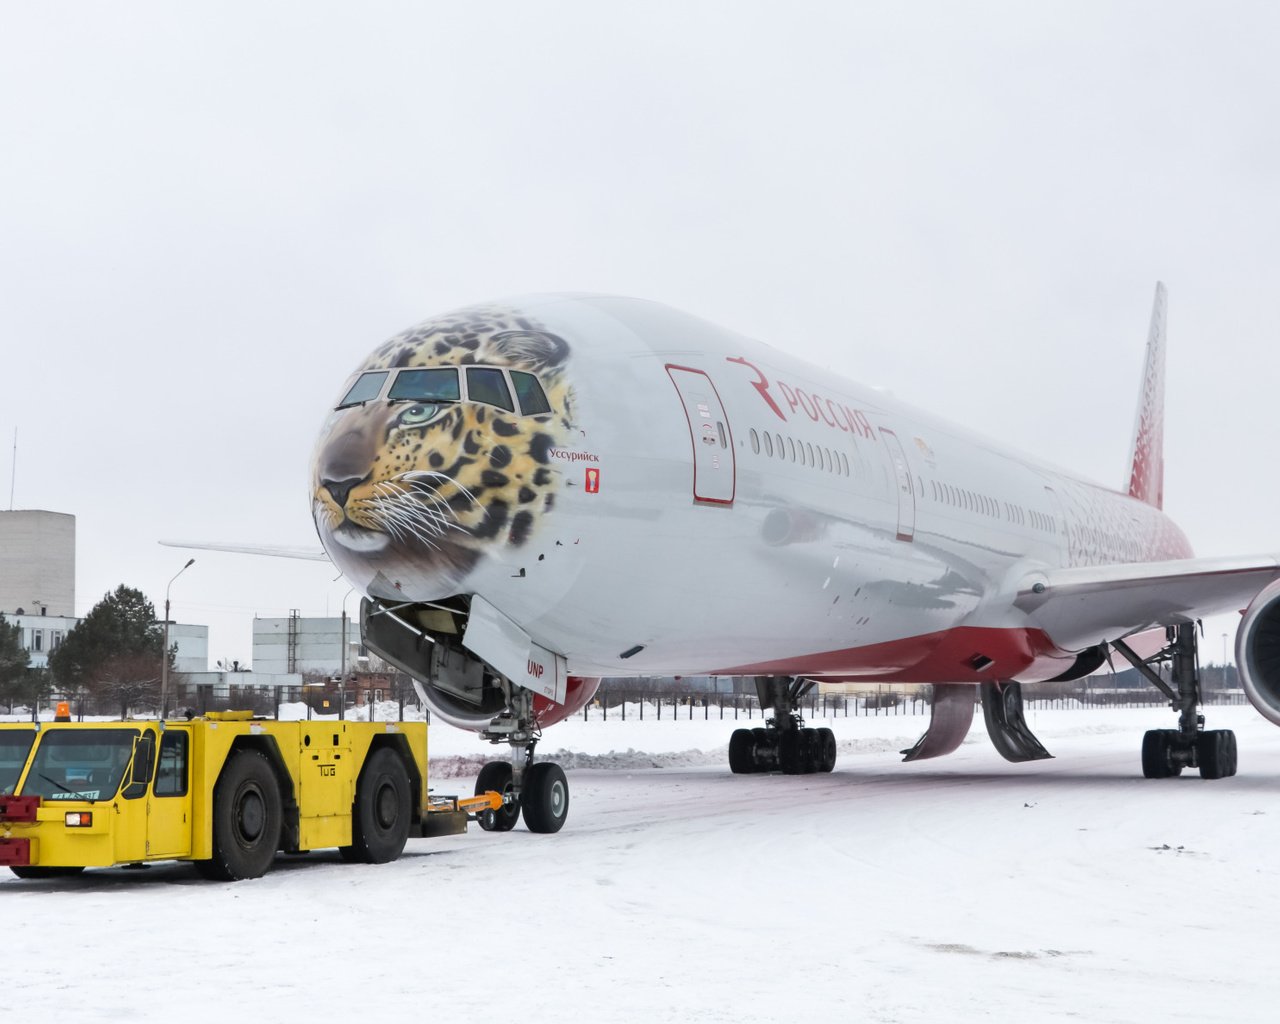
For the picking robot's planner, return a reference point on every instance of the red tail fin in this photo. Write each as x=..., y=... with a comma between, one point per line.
x=1146, y=473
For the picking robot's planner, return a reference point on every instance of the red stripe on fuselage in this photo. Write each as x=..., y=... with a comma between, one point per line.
x=949, y=656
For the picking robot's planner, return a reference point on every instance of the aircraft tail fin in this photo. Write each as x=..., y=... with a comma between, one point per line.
x=1146, y=462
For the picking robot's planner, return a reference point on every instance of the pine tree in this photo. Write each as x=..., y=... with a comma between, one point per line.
x=14, y=660
x=115, y=652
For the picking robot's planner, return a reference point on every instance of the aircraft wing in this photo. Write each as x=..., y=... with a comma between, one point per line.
x=274, y=550
x=1081, y=607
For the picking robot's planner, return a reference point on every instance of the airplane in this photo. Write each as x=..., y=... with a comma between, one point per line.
x=536, y=493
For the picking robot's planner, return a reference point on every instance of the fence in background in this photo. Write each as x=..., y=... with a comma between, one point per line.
x=743, y=706
x=393, y=702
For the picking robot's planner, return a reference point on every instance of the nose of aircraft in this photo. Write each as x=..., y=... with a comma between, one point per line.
x=436, y=456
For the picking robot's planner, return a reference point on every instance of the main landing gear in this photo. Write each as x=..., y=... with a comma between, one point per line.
x=538, y=791
x=1165, y=752
x=785, y=744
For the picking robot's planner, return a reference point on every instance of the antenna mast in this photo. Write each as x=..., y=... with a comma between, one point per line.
x=13, y=476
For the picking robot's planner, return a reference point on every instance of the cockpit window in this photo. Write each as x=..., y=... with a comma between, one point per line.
x=439, y=385
x=488, y=386
x=529, y=391
x=365, y=389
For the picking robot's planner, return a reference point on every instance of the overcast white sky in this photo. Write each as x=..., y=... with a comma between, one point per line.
x=210, y=212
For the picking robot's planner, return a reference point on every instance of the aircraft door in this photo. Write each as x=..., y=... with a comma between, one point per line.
x=714, y=468
x=905, y=485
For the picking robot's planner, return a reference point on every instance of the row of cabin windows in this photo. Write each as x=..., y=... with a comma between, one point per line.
x=788, y=449
x=960, y=497
x=490, y=385
x=775, y=446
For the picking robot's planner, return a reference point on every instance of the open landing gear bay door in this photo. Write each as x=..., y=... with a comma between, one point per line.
x=494, y=638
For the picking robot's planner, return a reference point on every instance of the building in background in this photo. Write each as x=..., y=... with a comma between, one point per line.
x=192, y=643
x=38, y=578
x=37, y=563
x=41, y=634
x=297, y=644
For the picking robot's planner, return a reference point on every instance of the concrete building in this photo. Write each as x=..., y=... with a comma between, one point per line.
x=41, y=634
x=193, y=646
x=297, y=644
x=37, y=563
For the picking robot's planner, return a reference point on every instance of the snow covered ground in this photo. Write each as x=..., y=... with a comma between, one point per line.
x=959, y=889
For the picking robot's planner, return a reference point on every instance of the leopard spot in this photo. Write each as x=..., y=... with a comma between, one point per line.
x=520, y=527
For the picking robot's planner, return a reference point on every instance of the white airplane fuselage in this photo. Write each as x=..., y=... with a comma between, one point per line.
x=722, y=508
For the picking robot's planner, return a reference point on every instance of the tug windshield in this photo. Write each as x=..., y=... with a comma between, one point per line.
x=14, y=746
x=80, y=764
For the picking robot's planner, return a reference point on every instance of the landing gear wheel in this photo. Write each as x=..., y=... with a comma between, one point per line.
x=380, y=824
x=545, y=798
x=826, y=745
x=1216, y=752
x=33, y=872
x=742, y=752
x=247, y=818
x=765, y=750
x=793, y=752
x=496, y=776
x=1157, y=751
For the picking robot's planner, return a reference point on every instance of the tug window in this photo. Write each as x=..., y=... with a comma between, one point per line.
x=171, y=778
x=488, y=386
x=439, y=385
x=532, y=400
x=365, y=389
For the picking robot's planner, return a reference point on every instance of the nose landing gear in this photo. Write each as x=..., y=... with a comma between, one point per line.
x=539, y=792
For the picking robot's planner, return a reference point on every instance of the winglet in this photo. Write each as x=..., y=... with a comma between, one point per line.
x=1146, y=473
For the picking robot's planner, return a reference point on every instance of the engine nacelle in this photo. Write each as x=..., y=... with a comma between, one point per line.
x=1258, y=652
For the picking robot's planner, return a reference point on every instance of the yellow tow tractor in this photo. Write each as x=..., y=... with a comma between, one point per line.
x=226, y=791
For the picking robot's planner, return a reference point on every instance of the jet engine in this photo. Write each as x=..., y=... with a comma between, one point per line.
x=425, y=641
x=1258, y=652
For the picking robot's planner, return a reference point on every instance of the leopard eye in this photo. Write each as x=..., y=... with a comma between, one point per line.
x=418, y=415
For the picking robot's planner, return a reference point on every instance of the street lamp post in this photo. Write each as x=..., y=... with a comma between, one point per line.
x=164, y=661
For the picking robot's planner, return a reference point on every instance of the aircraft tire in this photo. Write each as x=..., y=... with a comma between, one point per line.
x=381, y=818
x=545, y=798
x=793, y=752
x=1157, y=745
x=247, y=819
x=742, y=752
x=764, y=752
x=34, y=871
x=826, y=749
x=496, y=776
x=1217, y=754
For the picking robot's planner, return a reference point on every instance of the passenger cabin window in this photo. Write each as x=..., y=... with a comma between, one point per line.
x=366, y=388
x=533, y=402
x=436, y=385
x=488, y=386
